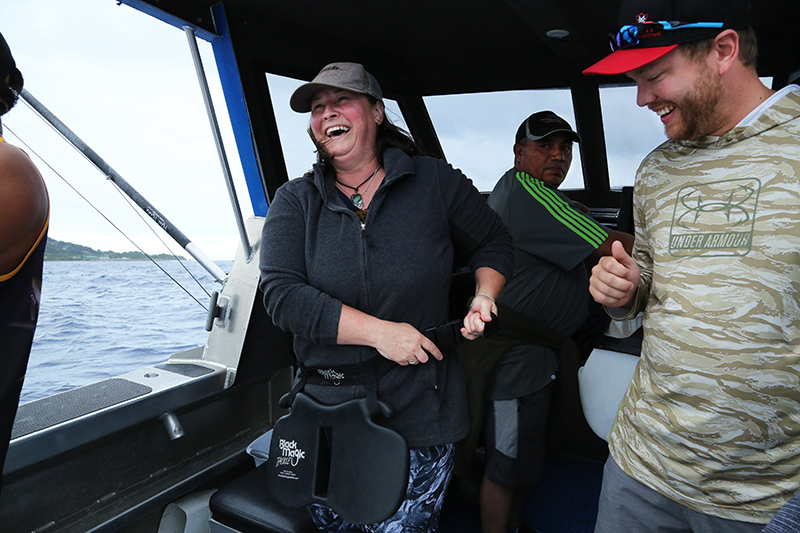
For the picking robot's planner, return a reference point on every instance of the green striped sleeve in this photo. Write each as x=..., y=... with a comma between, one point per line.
x=583, y=226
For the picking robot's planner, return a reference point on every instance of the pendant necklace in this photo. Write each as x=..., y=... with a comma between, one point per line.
x=356, y=197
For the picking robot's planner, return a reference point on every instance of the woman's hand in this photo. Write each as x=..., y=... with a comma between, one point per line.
x=396, y=341
x=405, y=345
x=480, y=312
x=488, y=284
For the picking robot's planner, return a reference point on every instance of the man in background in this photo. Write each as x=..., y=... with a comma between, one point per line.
x=552, y=238
x=706, y=437
x=24, y=215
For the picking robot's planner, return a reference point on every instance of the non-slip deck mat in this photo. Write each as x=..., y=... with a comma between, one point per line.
x=65, y=406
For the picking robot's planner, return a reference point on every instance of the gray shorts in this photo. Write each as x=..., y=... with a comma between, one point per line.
x=627, y=506
x=515, y=438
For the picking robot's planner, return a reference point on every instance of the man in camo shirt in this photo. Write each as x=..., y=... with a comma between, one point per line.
x=707, y=437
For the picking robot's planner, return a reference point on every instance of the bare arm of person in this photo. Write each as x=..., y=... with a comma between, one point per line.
x=615, y=278
x=23, y=207
x=488, y=282
x=398, y=342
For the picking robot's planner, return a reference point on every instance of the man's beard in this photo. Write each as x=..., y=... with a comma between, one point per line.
x=700, y=115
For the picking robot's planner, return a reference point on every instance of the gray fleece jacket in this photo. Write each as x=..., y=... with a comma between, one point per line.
x=316, y=255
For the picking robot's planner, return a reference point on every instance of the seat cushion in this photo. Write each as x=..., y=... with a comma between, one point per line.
x=247, y=505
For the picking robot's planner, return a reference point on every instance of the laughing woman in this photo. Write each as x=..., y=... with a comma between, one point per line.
x=357, y=260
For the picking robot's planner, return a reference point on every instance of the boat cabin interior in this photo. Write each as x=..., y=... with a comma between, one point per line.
x=115, y=455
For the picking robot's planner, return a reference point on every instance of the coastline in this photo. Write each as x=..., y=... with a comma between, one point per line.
x=67, y=251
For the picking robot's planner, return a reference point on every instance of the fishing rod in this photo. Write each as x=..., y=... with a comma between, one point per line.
x=162, y=221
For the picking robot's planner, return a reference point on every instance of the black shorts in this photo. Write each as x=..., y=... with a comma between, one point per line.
x=515, y=438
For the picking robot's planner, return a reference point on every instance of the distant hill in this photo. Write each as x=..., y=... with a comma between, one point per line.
x=67, y=251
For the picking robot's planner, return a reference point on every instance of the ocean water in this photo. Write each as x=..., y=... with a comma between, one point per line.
x=100, y=319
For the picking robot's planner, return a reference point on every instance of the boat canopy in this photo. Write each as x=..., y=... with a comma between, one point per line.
x=420, y=48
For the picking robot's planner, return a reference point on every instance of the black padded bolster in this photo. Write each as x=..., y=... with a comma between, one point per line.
x=247, y=505
x=336, y=455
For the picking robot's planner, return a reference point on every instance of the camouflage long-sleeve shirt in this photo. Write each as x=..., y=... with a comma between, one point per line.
x=712, y=416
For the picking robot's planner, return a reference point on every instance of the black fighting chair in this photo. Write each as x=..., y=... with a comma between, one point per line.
x=333, y=455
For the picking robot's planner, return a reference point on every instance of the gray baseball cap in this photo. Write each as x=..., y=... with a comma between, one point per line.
x=350, y=76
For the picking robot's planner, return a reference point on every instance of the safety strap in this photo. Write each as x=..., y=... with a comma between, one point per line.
x=368, y=373
x=445, y=336
x=449, y=335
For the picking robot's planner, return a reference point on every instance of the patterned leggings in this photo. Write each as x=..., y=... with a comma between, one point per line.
x=430, y=472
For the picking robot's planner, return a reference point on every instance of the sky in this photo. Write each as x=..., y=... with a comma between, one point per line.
x=125, y=84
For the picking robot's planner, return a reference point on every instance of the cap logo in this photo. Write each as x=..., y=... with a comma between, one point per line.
x=647, y=31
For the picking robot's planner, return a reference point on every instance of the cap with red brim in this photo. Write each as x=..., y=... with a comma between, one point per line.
x=623, y=61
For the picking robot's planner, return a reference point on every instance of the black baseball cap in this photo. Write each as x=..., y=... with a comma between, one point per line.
x=544, y=123
x=643, y=37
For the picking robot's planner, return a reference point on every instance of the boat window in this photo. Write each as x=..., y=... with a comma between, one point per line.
x=631, y=133
x=477, y=130
x=298, y=150
x=101, y=317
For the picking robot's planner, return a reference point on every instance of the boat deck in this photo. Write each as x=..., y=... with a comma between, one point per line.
x=564, y=501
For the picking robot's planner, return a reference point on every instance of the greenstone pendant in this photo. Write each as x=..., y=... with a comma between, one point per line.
x=357, y=201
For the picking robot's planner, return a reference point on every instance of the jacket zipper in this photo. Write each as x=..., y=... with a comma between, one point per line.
x=365, y=243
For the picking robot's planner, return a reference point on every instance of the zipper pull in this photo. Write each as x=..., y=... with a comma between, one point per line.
x=366, y=236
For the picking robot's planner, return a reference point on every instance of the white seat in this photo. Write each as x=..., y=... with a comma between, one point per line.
x=603, y=381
